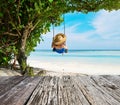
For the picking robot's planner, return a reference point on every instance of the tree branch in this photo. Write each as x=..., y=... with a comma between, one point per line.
x=13, y=22
x=35, y=25
x=10, y=44
x=11, y=34
x=18, y=8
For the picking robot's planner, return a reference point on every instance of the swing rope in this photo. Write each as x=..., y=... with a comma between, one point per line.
x=64, y=23
x=54, y=26
x=53, y=30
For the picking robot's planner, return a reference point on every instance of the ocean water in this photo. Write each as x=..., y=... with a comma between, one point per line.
x=82, y=56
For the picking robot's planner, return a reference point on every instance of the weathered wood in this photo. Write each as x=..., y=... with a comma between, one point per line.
x=113, y=78
x=45, y=92
x=95, y=94
x=72, y=95
x=66, y=90
x=6, y=83
x=3, y=78
x=18, y=94
x=109, y=87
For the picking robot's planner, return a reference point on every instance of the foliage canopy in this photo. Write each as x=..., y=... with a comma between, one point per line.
x=23, y=21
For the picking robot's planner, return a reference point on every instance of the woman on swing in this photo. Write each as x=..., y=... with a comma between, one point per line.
x=58, y=44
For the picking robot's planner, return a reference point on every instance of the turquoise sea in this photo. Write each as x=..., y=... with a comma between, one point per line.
x=89, y=56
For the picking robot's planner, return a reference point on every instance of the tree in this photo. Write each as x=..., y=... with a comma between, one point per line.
x=23, y=21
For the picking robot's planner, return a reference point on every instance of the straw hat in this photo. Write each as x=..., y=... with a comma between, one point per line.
x=59, y=39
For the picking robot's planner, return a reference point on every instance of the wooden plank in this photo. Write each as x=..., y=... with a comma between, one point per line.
x=72, y=95
x=108, y=86
x=36, y=95
x=3, y=78
x=19, y=93
x=66, y=90
x=45, y=93
x=53, y=94
x=57, y=91
x=93, y=93
x=113, y=78
x=6, y=83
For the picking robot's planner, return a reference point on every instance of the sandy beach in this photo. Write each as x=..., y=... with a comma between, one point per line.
x=77, y=67
x=8, y=72
x=89, y=62
x=67, y=68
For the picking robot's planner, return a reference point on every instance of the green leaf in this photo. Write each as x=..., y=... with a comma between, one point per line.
x=11, y=1
x=1, y=14
x=50, y=1
x=4, y=58
x=36, y=6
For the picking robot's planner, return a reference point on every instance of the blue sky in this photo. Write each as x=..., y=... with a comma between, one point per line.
x=100, y=30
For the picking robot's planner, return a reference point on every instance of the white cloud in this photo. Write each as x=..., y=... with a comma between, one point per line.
x=107, y=24
x=105, y=32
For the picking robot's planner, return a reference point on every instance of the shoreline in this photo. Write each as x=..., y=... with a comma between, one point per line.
x=54, y=68
x=37, y=72
x=77, y=67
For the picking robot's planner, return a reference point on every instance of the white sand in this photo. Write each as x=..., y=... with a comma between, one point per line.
x=8, y=72
x=77, y=67
x=69, y=68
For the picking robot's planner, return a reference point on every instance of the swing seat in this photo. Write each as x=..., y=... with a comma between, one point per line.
x=60, y=51
x=59, y=40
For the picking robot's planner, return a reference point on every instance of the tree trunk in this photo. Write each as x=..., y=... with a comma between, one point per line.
x=22, y=58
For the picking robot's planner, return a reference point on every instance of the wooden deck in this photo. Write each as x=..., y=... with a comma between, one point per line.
x=66, y=90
